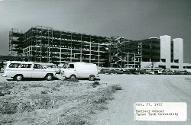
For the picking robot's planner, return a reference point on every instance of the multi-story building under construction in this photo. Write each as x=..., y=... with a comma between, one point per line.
x=43, y=44
x=16, y=42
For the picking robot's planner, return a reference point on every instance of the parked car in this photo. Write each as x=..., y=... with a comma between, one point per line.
x=116, y=71
x=78, y=70
x=51, y=66
x=19, y=70
x=167, y=72
x=105, y=71
x=182, y=72
x=54, y=67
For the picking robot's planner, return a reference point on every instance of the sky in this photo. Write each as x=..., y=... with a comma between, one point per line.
x=133, y=19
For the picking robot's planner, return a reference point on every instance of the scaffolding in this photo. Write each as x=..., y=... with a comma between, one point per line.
x=43, y=44
x=125, y=53
x=15, y=42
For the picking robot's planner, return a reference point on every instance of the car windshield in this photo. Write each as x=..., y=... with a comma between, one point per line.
x=71, y=66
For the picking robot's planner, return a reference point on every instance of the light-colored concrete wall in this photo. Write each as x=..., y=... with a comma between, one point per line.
x=146, y=65
x=178, y=51
x=165, y=49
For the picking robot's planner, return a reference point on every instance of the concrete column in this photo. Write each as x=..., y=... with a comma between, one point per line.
x=178, y=51
x=165, y=49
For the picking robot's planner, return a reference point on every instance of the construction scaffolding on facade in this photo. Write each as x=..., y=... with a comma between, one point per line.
x=15, y=42
x=125, y=53
x=43, y=44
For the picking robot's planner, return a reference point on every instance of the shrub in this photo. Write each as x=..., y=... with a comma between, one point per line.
x=116, y=87
x=95, y=84
x=8, y=107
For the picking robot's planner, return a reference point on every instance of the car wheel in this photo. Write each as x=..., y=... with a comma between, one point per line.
x=49, y=77
x=18, y=77
x=73, y=77
x=91, y=78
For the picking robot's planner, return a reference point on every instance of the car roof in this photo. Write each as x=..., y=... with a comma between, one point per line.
x=79, y=63
x=20, y=62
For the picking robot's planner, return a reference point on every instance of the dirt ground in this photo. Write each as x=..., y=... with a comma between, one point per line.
x=83, y=102
x=145, y=88
x=54, y=102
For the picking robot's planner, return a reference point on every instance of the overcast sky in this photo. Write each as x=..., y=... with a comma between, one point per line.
x=133, y=19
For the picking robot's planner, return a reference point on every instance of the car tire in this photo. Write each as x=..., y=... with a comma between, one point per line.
x=18, y=77
x=91, y=78
x=73, y=77
x=49, y=77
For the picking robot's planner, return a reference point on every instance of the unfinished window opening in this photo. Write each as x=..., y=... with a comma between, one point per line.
x=163, y=60
x=174, y=67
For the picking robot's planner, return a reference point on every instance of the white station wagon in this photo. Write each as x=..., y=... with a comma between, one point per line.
x=19, y=70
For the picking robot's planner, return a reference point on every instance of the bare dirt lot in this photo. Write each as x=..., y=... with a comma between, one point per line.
x=145, y=88
x=61, y=102
x=52, y=102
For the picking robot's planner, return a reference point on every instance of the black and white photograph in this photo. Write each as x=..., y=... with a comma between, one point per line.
x=95, y=62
